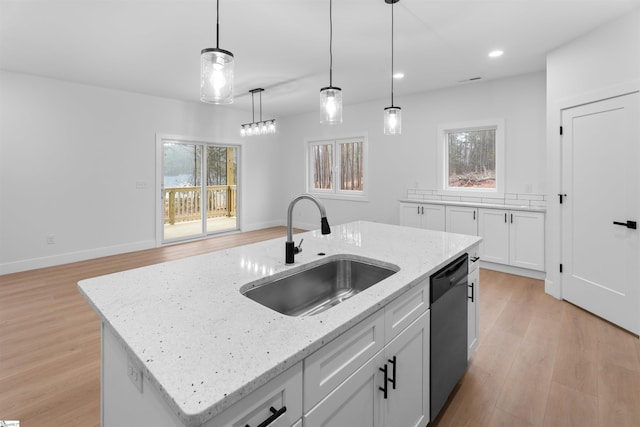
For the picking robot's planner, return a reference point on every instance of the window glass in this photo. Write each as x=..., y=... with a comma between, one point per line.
x=337, y=168
x=472, y=158
x=351, y=156
x=322, y=166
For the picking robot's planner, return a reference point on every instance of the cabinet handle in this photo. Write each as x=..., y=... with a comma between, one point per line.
x=274, y=414
x=474, y=215
x=511, y=218
x=418, y=210
x=505, y=217
x=471, y=286
x=475, y=259
x=393, y=381
x=386, y=378
x=422, y=210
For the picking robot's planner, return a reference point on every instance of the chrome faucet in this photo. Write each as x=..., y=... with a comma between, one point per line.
x=290, y=248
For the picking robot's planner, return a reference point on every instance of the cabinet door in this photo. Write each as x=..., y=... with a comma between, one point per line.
x=462, y=220
x=433, y=217
x=408, y=404
x=355, y=402
x=493, y=226
x=473, y=331
x=526, y=238
x=410, y=215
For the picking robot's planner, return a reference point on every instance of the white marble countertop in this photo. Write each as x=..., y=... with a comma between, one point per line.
x=513, y=207
x=204, y=345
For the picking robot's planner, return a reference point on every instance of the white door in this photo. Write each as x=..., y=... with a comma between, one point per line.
x=601, y=157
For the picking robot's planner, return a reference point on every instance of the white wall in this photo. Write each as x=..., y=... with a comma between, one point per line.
x=600, y=64
x=70, y=157
x=408, y=161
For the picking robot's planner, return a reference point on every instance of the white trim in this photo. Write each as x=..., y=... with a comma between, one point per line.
x=499, y=125
x=352, y=195
x=160, y=138
x=69, y=257
x=518, y=271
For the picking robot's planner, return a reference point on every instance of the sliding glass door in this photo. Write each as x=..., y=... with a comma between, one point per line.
x=199, y=189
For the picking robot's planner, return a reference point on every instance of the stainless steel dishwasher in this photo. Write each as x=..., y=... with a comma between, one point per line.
x=448, y=348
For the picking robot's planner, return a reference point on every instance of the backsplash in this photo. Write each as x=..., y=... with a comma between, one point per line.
x=513, y=199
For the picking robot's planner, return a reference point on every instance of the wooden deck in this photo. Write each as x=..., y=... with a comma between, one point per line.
x=193, y=228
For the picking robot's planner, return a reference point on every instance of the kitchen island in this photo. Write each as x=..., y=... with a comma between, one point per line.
x=196, y=343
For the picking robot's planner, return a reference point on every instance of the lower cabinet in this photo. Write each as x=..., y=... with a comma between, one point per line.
x=512, y=237
x=473, y=332
x=390, y=389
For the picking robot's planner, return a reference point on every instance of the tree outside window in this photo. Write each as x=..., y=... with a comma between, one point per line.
x=471, y=157
x=337, y=167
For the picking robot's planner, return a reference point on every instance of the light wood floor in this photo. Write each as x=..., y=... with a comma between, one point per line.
x=541, y=362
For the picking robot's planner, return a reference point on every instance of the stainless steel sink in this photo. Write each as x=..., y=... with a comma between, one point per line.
x=315, y=289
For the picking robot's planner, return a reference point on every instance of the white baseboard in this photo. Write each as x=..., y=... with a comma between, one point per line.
x=66, y=258
x=534, y=274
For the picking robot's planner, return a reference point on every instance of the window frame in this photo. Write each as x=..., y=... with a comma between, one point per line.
x=336, y=192
x=443, y=157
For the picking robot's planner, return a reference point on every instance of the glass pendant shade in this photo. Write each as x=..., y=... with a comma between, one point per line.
x=392, y=121
x=330, y=105
x=216, y=76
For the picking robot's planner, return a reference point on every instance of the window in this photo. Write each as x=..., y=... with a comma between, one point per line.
x=471, y=157
x=337, y=168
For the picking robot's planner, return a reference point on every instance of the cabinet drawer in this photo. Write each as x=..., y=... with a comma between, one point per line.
x=402, y=311
x=284, y=391
x=474, y=258
x=325, y=369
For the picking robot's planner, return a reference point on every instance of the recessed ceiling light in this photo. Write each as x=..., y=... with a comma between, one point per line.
x=398, y=75
x=495, y=53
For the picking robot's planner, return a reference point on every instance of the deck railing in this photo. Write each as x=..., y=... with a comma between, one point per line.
x=184, y=203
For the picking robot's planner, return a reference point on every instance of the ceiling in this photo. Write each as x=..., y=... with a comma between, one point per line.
x=153, y=46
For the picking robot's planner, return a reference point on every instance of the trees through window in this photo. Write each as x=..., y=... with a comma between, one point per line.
x=337, y=167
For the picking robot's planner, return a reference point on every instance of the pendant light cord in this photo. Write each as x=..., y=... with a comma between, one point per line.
x=392, y=54
x=217, y=24
x=330, y=43
x=260, y=105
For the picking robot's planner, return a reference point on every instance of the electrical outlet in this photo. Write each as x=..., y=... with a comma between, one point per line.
x=134, y=373
x=51, y=239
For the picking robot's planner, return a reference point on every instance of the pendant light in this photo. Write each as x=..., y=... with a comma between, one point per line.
x=330, y=96
x=393, y=114
x=262, y=127
x=216, y=71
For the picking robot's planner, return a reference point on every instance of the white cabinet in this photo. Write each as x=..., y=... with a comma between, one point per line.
x=462, y=220
x=277, y=404
x=512, y=237
x=526, y=240
x=390, y=389
x=473, y=314
x=345, y=381
x=354, y=402
x=407, y=364
x=430, y=217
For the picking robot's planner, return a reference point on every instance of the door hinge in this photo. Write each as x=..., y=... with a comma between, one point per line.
x=560, y=268
x=560, y=130
x=562, y=197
